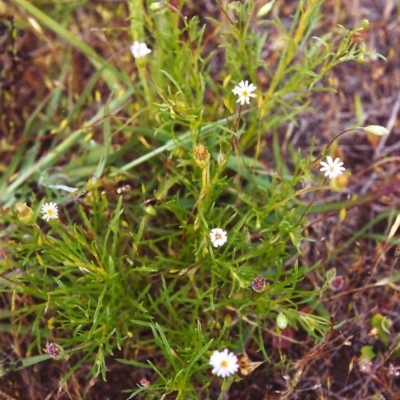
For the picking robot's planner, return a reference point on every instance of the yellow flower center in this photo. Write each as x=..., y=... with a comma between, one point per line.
x=224, y=364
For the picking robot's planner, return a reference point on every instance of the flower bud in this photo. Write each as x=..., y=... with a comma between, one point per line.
x=150, y=210
x=330, y=274
x=376, y=130
x=201, y=156
x=337, y=283
x=55, y=351
x=361, y=58
x=222, y=159
x=25, y=214
x=365, y=24
x=265, y=9
x=234, y=6
x=144, y=382
x=281, y=321
x=156, y=6
x=228, y=320
x=259, y=284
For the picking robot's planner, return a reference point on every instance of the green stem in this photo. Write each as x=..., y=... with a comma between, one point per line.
x=332, y=141
x=313, y=200
x=290, y=53
x=226, y=384
x=205, y=177
x=137, y=31
x=54, y=155
x=292, y=196
x=174, y=143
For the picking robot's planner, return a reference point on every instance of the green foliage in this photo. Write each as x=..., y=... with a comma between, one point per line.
x=137, y=269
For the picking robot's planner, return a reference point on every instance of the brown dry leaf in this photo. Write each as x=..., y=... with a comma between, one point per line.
x=246, y=365
x=378, y=72
x=373, y=140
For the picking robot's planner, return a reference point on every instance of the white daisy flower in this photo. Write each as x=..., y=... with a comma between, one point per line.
x=49, y=211
x=218, y=237
x=332, y=168
x=139, y=49
x=224, y=363
x=244, y=91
